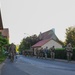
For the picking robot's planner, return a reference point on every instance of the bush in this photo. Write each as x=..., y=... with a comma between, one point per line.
x=73, y=57
x=60, y=53
x=2, y=58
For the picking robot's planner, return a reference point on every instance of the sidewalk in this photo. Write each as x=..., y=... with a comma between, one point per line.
x=59, y=60
x=1, y=65
x=62, y=60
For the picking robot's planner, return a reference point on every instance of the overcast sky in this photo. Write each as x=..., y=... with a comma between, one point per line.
x=35, y=16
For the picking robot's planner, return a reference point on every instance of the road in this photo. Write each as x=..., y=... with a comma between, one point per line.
x=32, y=66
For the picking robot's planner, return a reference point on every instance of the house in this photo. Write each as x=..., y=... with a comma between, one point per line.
x=48, y=39
x=3, y=31
x=46, y=43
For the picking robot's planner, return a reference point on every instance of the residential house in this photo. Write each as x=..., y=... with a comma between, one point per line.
x=48, y=39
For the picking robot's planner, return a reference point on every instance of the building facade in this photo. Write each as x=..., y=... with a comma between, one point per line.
x=3, y=31
x=46, y=43
x=1, y=24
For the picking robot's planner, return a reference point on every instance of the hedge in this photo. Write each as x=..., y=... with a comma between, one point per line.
x=2, y=58
x=61, y=54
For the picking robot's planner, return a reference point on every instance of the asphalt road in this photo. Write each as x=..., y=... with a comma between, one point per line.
x=32, y=66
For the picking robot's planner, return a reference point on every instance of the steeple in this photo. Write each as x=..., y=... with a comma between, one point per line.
x=1, y=24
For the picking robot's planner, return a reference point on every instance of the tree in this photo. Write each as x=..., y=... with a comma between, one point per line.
x=3, y=43
x=28, y=42
x=70, y=36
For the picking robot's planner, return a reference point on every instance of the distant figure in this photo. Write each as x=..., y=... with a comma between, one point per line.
x=37, y=53
x=52, y=50
x=45, y=51
x=12, y=51
x=69, y=50
x=41, y=52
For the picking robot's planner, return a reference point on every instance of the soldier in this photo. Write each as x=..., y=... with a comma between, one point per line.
x=69, y=50
x=41, y=52
x=12, y=51
x=52, y=49
x=45, y=52
x=37, y=53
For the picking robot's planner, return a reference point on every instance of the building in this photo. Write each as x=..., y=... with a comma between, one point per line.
x=46, y=43
x=1, y=25
x=3, y=31
x=48, y=39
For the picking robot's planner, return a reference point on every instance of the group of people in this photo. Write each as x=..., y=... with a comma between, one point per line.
x=43, y=52
x=52, y=52
x=69, y=52
x=68, y=48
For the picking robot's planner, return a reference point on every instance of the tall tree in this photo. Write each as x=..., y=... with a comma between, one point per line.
x=70, y=36
x=28, y=42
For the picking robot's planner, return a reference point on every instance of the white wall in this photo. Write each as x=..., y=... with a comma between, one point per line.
x=52, y=43
x=36, y=49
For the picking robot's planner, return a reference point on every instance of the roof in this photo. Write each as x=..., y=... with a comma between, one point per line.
x=48, y=35
x=40, y=43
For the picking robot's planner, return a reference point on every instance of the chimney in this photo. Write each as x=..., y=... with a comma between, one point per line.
x=53, y=29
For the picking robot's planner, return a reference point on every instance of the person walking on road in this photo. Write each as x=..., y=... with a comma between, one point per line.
x=45, y=52
x=52, y=52
x=41, y=52
x=37, y=53
x=69, y=50
x=12, y=51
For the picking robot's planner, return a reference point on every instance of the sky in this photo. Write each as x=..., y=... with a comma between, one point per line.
x=35, y=16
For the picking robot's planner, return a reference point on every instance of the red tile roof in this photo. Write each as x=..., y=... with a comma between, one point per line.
x=50, y=34
x=46, y=35
x=40, y=43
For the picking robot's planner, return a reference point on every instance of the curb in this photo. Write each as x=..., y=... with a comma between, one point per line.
x=59, y=60
x=1, y=65
x=62, y=60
